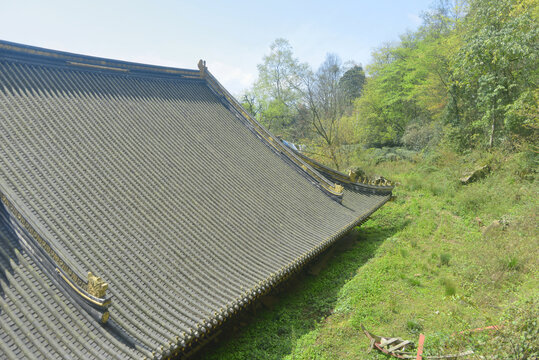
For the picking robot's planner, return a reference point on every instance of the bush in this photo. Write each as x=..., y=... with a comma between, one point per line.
x=418, y=136
x=380, y=155
x=525, y=165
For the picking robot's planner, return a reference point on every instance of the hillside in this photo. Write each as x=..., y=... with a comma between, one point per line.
x=457, y=94
x=442, y=258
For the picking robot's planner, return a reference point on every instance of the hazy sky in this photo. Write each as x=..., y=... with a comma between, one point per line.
x=232, y=36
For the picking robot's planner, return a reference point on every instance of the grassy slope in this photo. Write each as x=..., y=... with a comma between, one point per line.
x=427, y=262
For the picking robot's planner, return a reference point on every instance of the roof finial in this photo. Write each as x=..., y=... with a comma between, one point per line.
x=202, y=67
x=96, y=286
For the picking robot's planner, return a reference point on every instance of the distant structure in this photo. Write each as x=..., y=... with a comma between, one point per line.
x=142, y=207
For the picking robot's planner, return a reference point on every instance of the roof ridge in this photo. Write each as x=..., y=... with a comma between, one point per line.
x=63, y=58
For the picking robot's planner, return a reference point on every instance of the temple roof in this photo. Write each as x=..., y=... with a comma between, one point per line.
x=182, y=207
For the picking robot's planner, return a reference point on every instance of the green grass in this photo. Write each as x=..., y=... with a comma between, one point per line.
x=305, y=303
x=433, y=261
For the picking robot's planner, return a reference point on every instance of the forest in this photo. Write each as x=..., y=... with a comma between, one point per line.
x=446, y=256
x=467, y=78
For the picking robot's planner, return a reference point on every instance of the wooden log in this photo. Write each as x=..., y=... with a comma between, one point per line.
x=399, y=346
x=385, y=341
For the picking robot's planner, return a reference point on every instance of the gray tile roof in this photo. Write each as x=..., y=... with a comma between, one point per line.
x=153, y=179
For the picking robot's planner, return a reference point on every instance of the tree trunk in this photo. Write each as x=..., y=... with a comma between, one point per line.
x=491, y=140
x=334, y=157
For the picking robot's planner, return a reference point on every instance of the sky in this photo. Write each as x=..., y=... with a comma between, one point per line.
x=232, y=36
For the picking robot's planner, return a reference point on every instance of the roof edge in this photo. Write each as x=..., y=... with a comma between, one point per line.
x=346, y=180
x=30, y=53
x=186, y=346
x=333, y=189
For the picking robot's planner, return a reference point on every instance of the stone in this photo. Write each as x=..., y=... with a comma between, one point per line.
x=495, y=225
x=475, y=175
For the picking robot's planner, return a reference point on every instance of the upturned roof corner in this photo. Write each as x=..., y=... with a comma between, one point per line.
x=202, y=68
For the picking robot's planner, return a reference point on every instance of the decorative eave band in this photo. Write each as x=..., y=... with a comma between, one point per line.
x=44, y=244
x=381, y=187
x=90, y=294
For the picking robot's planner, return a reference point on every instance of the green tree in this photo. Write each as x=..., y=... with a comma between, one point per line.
x=276, y=90
x=388, y=104
x=497, y=67
x=250, y=102
x=352, y=82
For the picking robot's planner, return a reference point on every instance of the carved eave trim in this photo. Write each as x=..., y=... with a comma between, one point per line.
x=52, y=264
x=377, y=186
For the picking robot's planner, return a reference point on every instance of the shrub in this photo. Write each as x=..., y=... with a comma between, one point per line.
x=418, y=136
x=387, y=154
x=525, y=165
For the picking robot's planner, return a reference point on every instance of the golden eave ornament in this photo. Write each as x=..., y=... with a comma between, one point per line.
x=202, y=67
x=96, y=286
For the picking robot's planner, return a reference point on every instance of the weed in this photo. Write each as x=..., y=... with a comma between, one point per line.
x=403, y=252
x=413, y=326
x=511, y=263
x=449, y=286
x=519, y=337
x=414, y=281
x=444, y=259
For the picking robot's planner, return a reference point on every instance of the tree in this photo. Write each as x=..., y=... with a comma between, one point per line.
x=388, y=104
x=249, y=101
x=443, y=17
x=325, y=101
x=352, y=82
x=276, y=90
x=497, y=67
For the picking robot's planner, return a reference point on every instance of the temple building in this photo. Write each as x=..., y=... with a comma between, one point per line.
x=142, y=207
